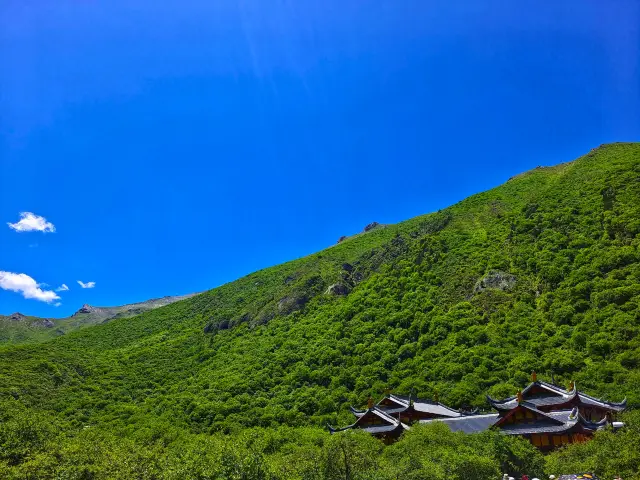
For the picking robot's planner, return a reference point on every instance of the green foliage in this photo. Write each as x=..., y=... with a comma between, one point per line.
x=239, y=381
x=609, y=454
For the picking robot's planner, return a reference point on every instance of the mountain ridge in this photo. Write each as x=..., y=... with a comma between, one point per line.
x=18, y=328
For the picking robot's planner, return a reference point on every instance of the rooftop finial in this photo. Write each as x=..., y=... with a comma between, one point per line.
x=387, y=391
x=369, y=403
x=572, y=385
x=534, y=376
x=519, y=396
x=436, y=397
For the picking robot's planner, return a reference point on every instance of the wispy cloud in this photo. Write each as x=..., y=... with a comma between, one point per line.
x=30, y=222
x=86, y=285
x=62, y=288
x=27, y=286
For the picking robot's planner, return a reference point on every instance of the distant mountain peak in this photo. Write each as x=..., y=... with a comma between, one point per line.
x=86, y=308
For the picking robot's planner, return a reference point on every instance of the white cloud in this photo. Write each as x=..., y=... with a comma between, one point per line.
x=27, y=286
x=62, y=288
x=87, y=285
x=30, y=222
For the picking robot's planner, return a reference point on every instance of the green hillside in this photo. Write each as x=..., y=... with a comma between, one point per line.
x=17, y=328
x=541, y=273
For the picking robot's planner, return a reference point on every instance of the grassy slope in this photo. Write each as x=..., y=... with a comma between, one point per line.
x=568, y=233
x=28, y=329
x=34, y=329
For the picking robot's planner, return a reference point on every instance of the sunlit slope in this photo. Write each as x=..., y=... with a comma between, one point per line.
x=17, y=328
x=540, y=273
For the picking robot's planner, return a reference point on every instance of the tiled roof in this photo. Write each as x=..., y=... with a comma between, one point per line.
x=385, y=428
x=553, y=422
x=557, y=396
x=467, y=423
x=392, y=423
x=589, y=400
x=402, y=403
x=427, y=406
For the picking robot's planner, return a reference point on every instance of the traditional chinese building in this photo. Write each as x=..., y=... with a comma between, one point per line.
x=376, y=422
x=548, y=397
x=409, y=409
x=548, y=415
x=394, y=413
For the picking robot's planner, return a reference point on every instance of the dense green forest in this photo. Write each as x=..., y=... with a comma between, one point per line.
x=541, y=273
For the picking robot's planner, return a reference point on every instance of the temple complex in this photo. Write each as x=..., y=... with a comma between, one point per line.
x=394, y=413
x=547, y=415
x=548, y=397
x=409, y=409
x=377, y=423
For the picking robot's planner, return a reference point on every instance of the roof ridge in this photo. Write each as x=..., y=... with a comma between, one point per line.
x=552, y=385
x=379, y=412
x=532, y=407
x=546, y=385
x=398, y=399
x=590, y=397
x=490, y=399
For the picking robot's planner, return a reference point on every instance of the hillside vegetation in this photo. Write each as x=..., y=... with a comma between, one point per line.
x=17, y=328
x=541, y=273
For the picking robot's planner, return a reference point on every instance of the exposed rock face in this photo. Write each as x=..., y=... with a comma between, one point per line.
x=347, y=267
x=342, y=238
x=371, y=226
x=31, y=321
x=86, y=309
x=45, y=323
x=337, y=289
x=495, y=279
x=291, y=303
x=215, y=325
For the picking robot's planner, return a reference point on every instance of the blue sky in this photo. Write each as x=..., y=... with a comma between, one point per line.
x=175, y=146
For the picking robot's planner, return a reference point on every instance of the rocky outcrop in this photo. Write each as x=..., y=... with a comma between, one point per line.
x=338, y=289
x=342, y=238
x=292, y=303
x=215, y=325
x=497, y=280
x=31, y=321
x=371, y=226
x=44, y=323
x=86, y=308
